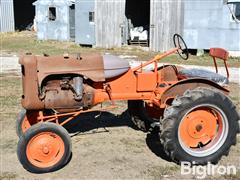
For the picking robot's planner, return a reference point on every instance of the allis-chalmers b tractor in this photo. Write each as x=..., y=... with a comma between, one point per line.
x=196, y=120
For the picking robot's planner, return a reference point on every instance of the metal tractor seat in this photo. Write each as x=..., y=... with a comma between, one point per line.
x=215, y=53
x=114, y=66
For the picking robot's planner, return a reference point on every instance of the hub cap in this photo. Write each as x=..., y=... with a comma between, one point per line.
x=45, y=149
x=203, y=130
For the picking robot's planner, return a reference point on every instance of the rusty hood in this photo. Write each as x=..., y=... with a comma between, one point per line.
x=90, y=66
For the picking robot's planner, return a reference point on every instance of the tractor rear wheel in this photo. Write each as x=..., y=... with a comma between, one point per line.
x=199, y=127
x=142, y=115
x=44, y=147
x=25, y=120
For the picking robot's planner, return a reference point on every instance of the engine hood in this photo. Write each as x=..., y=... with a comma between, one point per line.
x=90, y=66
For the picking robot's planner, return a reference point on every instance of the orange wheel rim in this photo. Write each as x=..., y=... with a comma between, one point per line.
x=45, y=149
x=198, y=128
x=29, y=119
x=203, y=130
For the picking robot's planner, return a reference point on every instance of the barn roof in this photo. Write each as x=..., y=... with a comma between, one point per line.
x=54, y=2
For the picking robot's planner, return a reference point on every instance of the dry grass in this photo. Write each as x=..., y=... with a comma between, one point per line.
x=22, y=42
x=161, y=172
x=8, y=176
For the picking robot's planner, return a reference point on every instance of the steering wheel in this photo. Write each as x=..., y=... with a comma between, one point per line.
x=180, y=43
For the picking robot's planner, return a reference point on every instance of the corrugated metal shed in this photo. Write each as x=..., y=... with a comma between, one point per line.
x=6, y=16
x=105, y=23
x=166, y=20
x=85, y=23
x=53, y=19
x=109, y=21
x=210, y=24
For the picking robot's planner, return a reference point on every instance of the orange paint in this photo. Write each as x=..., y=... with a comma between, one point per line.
x=146, y=81
x=45, y=149
x=158, y=87
x=199, y=126
x=29, y=119
x=220, y=54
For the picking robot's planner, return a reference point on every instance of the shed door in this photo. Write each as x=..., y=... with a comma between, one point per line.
x=85, y=22
x=110, y=17
x=166, y=19
x=72, y=21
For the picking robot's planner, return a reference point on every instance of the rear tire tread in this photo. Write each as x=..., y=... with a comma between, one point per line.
x=171, y=115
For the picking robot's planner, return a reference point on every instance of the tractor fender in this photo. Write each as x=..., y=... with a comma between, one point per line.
x=180, y=87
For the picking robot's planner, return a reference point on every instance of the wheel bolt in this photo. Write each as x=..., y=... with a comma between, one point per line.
x=45, y=150
x=199, y=128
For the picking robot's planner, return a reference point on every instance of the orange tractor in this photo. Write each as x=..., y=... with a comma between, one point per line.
x=195, y=119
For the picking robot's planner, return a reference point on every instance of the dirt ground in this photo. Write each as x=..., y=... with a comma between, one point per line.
x=103, y=148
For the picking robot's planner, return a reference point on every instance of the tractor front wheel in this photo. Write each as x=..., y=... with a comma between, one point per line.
x=25, y=120
x=44, y=147
x=199, y=127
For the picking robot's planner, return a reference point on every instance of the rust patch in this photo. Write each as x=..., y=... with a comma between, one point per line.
x=90, y=66
x=30, y=98
x=180, y=87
